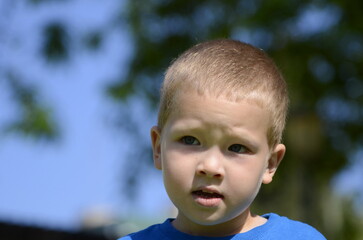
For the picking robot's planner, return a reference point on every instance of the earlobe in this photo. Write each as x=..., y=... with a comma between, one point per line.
x=156, y=147
x=275, y=159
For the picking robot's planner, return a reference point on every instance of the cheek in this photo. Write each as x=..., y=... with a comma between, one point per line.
x=176, y=169
x=246, y=176
x=177, y=177
x=245, y=185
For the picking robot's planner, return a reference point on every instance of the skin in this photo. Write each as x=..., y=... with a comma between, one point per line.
x=214, y=155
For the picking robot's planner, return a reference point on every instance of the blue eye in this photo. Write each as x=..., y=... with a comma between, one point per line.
x=189, y=140
x=238, y=148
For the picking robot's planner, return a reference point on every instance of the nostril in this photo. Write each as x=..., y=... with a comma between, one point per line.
x=202, y=172
x=217, y=175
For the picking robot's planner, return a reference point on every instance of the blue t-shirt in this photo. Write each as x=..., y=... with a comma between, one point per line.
x=276, y=228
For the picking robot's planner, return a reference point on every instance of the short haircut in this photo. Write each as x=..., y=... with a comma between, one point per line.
x=232, y=69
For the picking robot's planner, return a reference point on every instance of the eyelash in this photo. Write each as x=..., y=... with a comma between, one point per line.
x=185, y=141
x=190, y=140
x=245, y=149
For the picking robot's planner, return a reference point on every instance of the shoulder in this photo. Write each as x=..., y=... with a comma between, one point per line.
x=152, y=232
x=291, y=229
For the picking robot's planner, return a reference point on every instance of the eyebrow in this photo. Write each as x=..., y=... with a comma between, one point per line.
x=245, y=138
x=198, y=127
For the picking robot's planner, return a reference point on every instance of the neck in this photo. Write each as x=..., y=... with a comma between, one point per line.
x=240, y=224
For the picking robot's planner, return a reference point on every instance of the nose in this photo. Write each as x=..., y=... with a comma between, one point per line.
x=211, y=164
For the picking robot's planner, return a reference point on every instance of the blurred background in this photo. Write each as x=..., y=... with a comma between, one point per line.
x=79, y=84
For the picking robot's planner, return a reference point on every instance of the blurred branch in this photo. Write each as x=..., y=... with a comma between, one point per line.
x=34, y=120
x=56, y=42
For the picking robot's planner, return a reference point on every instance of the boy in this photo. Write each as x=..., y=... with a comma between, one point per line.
x=222, y=113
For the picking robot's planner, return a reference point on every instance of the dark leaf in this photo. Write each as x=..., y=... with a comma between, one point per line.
x=56, y=42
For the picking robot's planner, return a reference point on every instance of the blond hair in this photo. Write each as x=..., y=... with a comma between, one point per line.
x=230, y=69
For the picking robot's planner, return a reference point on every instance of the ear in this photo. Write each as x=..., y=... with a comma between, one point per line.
x=156, y=141
x=276, y=156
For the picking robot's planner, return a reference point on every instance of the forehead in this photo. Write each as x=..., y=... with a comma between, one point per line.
x=191, y=109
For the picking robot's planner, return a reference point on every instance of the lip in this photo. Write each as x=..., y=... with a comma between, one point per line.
x=207, y=196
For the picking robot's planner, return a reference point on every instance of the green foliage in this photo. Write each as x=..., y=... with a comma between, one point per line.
x=317, y=45
x=94, y=40
x=55, y=47
x=34, y=119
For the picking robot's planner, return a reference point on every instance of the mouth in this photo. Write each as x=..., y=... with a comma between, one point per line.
x=207, y=197
x=207, y=194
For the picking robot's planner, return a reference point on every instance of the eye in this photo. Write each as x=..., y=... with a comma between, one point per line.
x=238, y=148
x=189, y=140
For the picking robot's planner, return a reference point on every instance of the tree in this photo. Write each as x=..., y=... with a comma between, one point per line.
x=318, y=47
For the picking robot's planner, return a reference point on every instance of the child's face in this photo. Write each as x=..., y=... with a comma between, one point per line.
x=214, y=155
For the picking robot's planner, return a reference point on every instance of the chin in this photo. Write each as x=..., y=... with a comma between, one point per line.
x=210, y=221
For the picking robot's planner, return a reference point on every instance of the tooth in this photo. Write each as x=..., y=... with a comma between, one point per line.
x=207, y=191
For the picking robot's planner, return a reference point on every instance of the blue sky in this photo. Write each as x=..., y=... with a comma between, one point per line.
x=55, y=184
